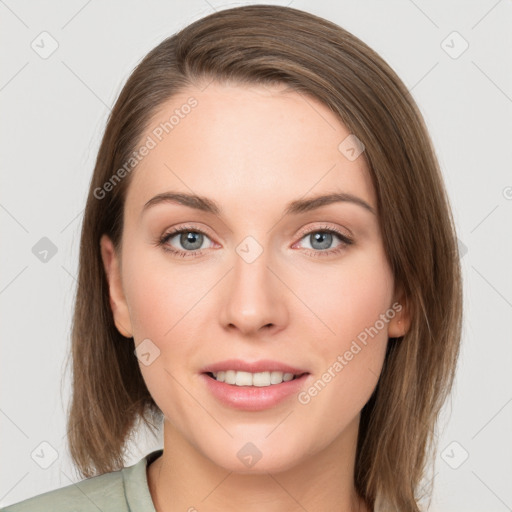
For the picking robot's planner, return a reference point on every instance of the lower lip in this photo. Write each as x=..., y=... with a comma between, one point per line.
x=254, y=398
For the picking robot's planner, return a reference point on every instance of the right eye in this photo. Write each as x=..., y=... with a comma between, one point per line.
x=190, y=241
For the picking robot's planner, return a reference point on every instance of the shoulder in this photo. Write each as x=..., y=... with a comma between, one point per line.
x=97, y=493
x=103, y=492
x=122, y=491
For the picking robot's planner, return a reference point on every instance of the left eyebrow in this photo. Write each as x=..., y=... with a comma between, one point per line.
x=293, y=208
x=306, y=205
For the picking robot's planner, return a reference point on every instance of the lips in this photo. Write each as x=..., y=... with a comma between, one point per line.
x=255, y=398
x=253, y=386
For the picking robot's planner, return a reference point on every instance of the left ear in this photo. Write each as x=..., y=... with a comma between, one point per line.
x=400, y=323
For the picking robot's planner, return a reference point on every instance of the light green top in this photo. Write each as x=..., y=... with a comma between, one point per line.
x=125, y=490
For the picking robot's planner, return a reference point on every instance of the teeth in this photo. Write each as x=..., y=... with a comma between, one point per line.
x=260, y=379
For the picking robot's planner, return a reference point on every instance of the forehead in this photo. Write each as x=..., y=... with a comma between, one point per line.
x=246, y=145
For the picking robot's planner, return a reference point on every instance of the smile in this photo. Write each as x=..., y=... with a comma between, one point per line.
x=259, y=379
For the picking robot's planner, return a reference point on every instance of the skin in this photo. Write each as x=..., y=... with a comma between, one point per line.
x=253, y=149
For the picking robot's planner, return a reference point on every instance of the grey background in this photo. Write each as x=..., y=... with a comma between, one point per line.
x=53, y=112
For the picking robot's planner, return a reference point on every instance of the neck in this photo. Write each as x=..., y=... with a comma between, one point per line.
x=182, y=478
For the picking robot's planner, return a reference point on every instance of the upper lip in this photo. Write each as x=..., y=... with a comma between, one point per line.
x=263, y=365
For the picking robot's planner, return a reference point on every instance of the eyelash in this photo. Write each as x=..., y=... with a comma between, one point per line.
x=346, y=241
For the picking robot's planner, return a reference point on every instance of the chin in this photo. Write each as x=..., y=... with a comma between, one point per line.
x=257, y=457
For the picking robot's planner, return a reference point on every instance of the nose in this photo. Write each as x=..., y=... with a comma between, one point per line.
x=255, y=299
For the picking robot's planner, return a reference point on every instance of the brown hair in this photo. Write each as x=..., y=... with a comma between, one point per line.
x=263, y=44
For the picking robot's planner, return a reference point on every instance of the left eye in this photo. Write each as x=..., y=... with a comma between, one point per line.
x=321, y=240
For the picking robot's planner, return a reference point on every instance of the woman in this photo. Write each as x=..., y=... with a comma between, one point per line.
x=269, y=265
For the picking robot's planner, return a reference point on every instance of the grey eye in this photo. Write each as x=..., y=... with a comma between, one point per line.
x=191, y=240
x=320, y=240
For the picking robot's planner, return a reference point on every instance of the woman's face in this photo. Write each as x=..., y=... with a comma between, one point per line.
x=262, y=279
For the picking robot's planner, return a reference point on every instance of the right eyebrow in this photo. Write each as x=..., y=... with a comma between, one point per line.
x=191, y=200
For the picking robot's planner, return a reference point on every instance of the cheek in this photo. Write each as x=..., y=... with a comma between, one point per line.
x=355, y=305
x=168, y=305
x=348, y=299
x=161, y=294
x=165, y=307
